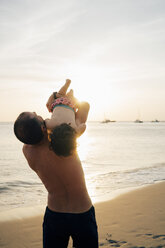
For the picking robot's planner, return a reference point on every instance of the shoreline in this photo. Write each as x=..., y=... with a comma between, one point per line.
x=133, y=219
x=24, y=212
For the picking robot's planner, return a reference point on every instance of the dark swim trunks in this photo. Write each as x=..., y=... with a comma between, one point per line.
x=58, y=227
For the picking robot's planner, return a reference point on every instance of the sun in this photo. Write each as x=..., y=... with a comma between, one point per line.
x=102, y=97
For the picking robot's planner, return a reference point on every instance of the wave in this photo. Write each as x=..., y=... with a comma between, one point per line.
x=3, y=189
x=155, y=166
x=134, y=170
x=9, y=186
x=129, y=178
x=20, y=182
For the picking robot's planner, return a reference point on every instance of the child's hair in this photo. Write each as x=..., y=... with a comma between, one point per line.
x=63, y=140
x=28, y=130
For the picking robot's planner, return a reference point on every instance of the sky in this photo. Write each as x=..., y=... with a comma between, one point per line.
x=112, y=50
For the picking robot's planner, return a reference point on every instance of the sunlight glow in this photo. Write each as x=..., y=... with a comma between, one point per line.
x=84, y=147
x=83, y=144
x=104, y=99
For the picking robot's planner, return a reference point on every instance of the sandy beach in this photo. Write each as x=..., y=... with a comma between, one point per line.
x=132, y=220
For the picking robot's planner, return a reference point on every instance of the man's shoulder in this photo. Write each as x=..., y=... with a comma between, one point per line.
x=33, y=153
x=33, y=149
x=29, y=151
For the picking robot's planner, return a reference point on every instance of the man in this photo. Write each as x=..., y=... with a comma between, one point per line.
x=69, y=210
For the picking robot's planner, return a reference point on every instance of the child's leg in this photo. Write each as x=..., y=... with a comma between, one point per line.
x=60, y=93
x=64, y=88
x=70, y=95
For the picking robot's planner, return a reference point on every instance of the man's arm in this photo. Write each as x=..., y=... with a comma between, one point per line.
x=81, y=117
x=82, y=113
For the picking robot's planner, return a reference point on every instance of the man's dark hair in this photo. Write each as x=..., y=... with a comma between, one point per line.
x=63, y=140
x=28, y=130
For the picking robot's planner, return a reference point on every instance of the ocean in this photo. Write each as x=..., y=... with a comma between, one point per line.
x=116, y=157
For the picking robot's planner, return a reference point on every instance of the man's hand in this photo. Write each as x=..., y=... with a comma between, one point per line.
x=80, y=129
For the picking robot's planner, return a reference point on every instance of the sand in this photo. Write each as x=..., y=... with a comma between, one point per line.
x=135, y=219
x=132, y=220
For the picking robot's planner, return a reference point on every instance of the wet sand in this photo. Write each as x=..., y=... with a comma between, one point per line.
x=132, y=220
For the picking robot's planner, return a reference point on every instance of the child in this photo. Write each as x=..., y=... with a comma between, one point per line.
x=63, y=129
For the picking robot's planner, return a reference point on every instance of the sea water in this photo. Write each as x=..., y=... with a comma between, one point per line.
x=116, y=157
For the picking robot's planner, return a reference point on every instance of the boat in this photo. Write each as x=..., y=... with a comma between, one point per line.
x=138, y=121
x=107, y=121
x=155, y=120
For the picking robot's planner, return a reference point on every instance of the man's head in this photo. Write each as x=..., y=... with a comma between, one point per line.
x=29, y=128
x=63, y=140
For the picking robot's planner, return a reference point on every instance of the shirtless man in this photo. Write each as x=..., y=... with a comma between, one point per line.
x=69, y=210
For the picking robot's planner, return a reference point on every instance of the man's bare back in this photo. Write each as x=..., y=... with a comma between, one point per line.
x=62, y=177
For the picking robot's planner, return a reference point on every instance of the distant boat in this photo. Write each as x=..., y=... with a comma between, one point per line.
x=155, y=120
x=138, y=121
x=107, y=121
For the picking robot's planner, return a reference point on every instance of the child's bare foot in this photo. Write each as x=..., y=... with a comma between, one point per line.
x=68, y=81
x=70, y=94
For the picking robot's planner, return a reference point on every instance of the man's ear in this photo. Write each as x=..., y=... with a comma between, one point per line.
x=80, y=129
x=44, y=129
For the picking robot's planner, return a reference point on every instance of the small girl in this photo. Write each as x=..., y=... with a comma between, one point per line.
x=63, y=129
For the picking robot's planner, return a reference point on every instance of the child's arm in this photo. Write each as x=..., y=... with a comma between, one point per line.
x=60, y=93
